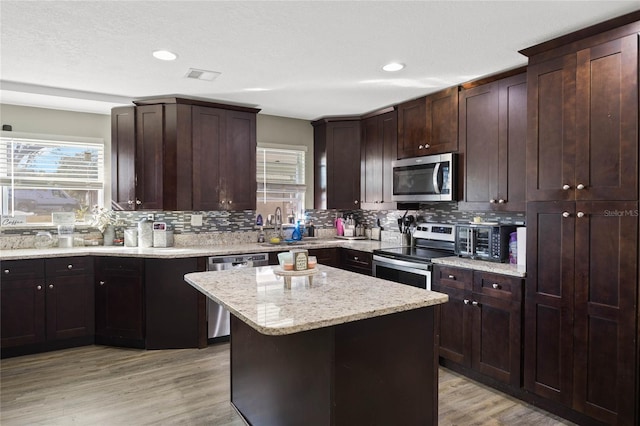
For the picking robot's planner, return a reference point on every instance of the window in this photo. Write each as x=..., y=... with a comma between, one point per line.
x=280, y=177
x=42, y=174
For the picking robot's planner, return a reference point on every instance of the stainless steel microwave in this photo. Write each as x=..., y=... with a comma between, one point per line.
x=428, y=178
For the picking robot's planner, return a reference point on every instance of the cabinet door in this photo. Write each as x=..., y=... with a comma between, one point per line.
x=606, y=294
x=70, y=298
x=119, y=296
x=149, y=157
x=607, y=121
x=496, y=337
x=479, y=143
x=412, y=128
x=379, y=149
x=324, y=256
x=442, y=122
x=238, y=162
x=22, y=299
x=548, y=346
x=512, y=143
x=343, y=165
x=208, y=131
x=123, y=158
x=551, y=134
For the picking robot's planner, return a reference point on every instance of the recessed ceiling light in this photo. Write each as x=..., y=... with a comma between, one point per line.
x=393, y=66
x=164, y=55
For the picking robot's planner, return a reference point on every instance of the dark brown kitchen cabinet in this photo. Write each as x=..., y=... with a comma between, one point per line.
x=379, y=149
x=183, y=154
x=581, y=313
x=46, y=304
x=356, y=261
x=119, y=301
x=480, y=326
x=428, y=125
x=336, y=153
x=583, y=123
x=493, y=135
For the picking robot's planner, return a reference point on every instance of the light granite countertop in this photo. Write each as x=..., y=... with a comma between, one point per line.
x=182, y=252
x=482, y=265
x=259, y=298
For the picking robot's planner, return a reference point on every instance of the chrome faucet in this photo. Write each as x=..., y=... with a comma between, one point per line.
x=278, y=225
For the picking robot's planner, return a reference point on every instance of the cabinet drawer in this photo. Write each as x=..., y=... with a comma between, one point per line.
x=69, y=266
x=357, y=261
x=453, y=277
x=120, y=265
x=22, y=269
x=497, y=285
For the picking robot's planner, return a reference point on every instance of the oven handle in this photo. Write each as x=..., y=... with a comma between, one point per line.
x=401, y=265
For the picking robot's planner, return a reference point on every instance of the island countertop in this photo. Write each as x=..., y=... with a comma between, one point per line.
x=259, y=298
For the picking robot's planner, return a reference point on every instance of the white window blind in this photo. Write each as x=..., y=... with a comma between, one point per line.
x=280, y=174
x=51, y=163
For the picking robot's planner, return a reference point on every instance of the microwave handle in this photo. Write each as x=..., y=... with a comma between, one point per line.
x=472, y=241
x=437, y=179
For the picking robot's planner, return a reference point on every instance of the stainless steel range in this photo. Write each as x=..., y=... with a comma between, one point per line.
x=412, y=265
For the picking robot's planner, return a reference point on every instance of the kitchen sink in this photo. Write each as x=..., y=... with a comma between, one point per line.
x=289, y=243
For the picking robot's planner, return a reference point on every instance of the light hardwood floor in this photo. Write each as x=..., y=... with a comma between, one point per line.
x=99, y=385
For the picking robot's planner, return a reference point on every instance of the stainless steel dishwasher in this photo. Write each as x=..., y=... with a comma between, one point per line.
x=217, y=316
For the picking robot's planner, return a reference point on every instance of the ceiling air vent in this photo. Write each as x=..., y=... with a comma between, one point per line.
x=202, y=74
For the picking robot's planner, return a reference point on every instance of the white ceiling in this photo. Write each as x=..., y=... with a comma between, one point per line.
x=301, y=59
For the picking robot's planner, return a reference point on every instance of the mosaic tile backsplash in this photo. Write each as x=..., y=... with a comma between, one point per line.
x=223, y=227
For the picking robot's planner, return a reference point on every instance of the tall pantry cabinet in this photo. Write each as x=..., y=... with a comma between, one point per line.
x=581, y=301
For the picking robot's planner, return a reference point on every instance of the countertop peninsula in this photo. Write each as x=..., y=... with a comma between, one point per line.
x=259, y=298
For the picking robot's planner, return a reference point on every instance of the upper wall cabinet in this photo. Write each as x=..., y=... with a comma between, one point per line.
x=428, y=125
x=181, y=154
x=493, y=136
x=583, y=127
x=336, y=151
x=379, y=148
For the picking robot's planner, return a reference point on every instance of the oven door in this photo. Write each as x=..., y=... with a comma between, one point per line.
x=415, y=274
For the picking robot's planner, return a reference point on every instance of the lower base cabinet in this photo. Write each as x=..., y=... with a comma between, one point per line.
x=46, y=304
x=356, y=261
x=481, y=326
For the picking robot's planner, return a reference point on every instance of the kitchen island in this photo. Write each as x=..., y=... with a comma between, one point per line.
x=348, y=349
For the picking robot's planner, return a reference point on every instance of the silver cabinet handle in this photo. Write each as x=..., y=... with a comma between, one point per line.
x=580, y=186
x=466, y=301
x=6, y=271
x=452, y=277
x=130, y=202
x=101, y=282
x=355, y=201
x=474, y=303
x=355, y=258
x=566, y=214
x=50, y=285
x=38, y=287
x=420, y=146
x=580, y=214
x=427, y=146
x=138, y=202
x=501, y=201
x=229, y=202
x=69, y=266
x=492, y=201
x=494, y=285
x=566, y=187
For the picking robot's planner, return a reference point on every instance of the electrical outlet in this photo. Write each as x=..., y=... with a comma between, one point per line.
x=196, y=220
x=150, y=217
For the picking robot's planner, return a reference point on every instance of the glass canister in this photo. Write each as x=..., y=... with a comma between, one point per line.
x=145, y=233
x=131, y=237
x=43, y=240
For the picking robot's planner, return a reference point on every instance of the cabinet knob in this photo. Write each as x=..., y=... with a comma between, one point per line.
x=69, y=266
x=466, y=301
x=355, y=201
x=38, y=287
x=229, y=202
x=138, y=202
x=580, y=186
x=452, y=277
x=101, y=283
x=50, y=285
x=492, y=201
x=566, y=187
x=223, y=201
x=566, y=214
x=502, y=201
x=6, y=271
x=580, y=214
x=130, y=202
x=355, y=258
x=474, y=303
x=420, y=146
x=494, y=285
x=427, y=146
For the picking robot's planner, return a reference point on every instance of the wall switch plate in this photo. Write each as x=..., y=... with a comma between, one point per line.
x=196, y=220
x=150, y=216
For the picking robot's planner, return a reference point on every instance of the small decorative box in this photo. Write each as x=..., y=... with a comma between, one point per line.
x=300, y=259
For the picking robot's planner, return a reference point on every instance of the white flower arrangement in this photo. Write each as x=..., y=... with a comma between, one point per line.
x=103, y=218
